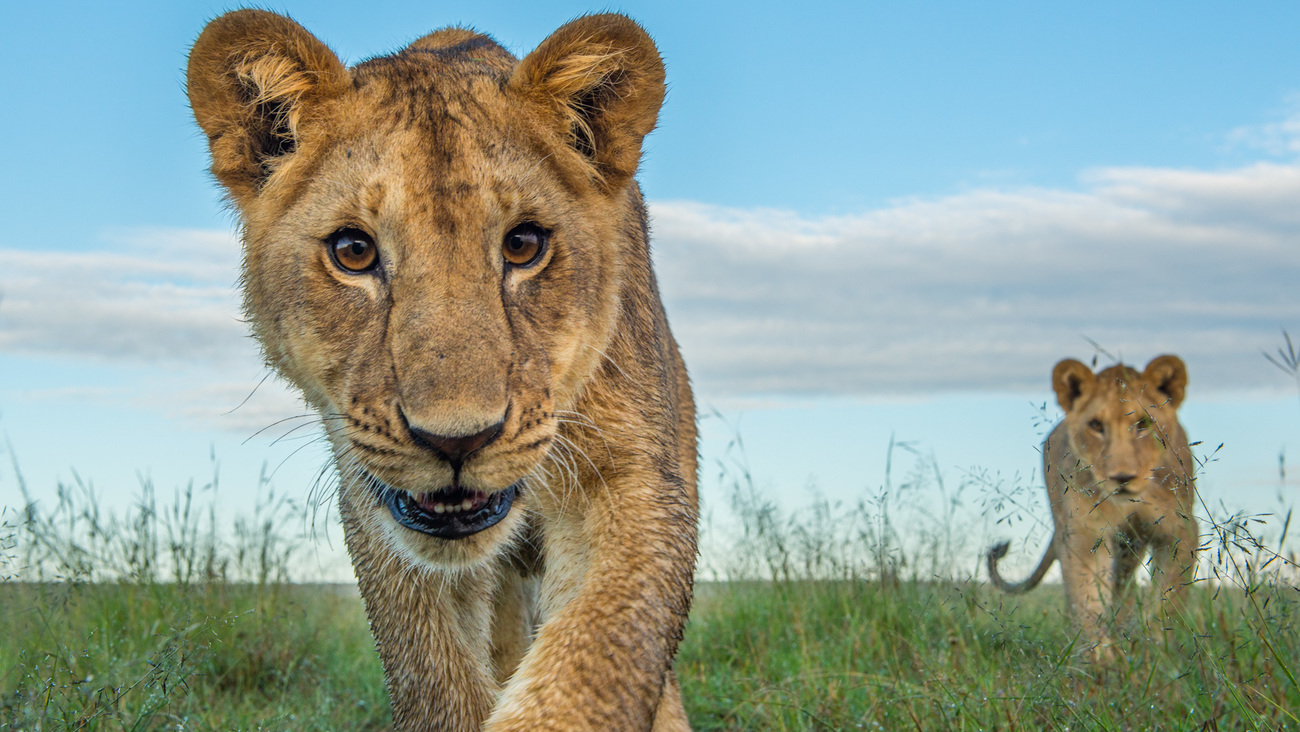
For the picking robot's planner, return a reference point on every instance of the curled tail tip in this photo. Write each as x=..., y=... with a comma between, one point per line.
x=998, y=551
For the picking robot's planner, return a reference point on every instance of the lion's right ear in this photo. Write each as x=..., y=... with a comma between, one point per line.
x=251, y=76
x=600, y=81
x=1071, y=380
x=1169, y=374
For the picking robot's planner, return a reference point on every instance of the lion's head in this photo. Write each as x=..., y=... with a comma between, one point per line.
x=1122, y=424
x=434, y=247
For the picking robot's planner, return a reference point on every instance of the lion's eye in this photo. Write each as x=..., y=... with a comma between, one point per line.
x=1143, y=425
x=1096, y=426
x=353, y=250
x=524, y=245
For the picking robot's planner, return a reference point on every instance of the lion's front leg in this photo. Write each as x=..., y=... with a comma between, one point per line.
x=1173, y=562
x=615, y=595
x=671, y=715
x=1088, y=573
x=512, y=621
x=1129, y=552
x=431, y=629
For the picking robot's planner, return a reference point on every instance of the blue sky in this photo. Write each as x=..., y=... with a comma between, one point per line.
x=871, y=218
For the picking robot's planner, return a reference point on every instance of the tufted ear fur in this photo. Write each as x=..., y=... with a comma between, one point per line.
x=603, y=80
x=1071, y=380
x=252, y=76
x=1169, y=374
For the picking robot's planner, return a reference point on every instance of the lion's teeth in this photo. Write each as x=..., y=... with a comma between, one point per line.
x=428, y=501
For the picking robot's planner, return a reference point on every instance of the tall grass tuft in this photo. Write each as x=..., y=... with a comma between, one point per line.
x=157, y=618
x=910, y=528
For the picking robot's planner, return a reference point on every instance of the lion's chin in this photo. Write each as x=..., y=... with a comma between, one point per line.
x=451, y=513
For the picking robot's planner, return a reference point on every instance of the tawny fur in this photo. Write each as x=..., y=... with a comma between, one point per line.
x=567, y=614
x=1120, y=481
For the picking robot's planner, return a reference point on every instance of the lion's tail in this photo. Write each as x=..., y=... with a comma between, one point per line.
x=1015, y=588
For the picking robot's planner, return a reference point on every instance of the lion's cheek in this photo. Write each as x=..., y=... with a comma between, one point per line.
x=568, y=348
x=576, y=352
x=320, y=328
x=591, y=324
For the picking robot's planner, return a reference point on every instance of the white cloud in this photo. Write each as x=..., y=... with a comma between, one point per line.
x=161, y=301
x=986, y=290
x=1280, y=137
x=160, y=296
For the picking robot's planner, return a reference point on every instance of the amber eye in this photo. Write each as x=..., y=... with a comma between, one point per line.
x=1143, y=425
x=1096, y=426
x=524, y=244
x=353, y=250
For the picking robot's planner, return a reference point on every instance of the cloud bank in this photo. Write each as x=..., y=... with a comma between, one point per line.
x=979, y=291
x=987, y=289
x=159, y=296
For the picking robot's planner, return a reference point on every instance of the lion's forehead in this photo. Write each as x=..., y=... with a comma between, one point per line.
x=444, y=100
x=433, y=181
x=1121, y=404
x=1124, y=403
x=429, y=140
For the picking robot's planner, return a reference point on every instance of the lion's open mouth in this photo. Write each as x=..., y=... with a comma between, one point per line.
x=451, y=513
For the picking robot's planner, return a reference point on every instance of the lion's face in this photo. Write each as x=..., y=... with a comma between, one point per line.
x=435, y=263
x=1121, y=423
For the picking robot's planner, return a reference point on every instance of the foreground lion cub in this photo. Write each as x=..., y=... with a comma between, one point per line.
x=446, y=251
x=1119, y=478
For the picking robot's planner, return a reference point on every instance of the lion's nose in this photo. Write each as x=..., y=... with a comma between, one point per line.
x=1123, y=479
x=454, y=449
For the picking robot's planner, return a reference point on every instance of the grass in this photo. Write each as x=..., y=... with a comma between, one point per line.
x=833, y=617
x=161, y=656
x=867, y=616
x=862, y=655
x=157, y=619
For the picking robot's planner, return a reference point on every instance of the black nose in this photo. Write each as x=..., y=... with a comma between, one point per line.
x=455, y=449
x=1123, y=479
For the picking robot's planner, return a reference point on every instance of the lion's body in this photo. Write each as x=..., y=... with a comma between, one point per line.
x=1119, y=480
x=444, y=370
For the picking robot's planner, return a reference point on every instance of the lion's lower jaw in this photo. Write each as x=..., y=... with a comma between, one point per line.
x=455, y=554
x=430, y=552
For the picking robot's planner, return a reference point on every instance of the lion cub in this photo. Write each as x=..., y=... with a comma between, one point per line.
x=446, y=251
x=1119, y=479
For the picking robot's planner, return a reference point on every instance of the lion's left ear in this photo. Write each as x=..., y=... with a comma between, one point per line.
x=1169, y=374
x=602, y=79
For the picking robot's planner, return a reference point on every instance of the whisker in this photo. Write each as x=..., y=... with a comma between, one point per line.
x=589, y=424
x=611, y=361
x=290, y=432
x=571, y=445
x=278, y=421
x=265, y=376
x=286, y=458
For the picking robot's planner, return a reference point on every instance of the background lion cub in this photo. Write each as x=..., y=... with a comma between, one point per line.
x=1119, y=479
x=446, y=251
